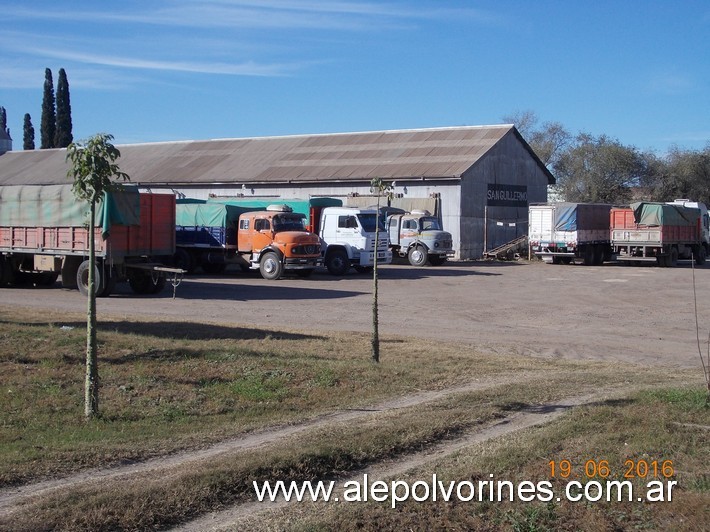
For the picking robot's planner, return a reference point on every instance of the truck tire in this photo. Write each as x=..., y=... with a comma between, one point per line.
x=437, y=260
x=417, y=256
x=588, y=256
x=598, y=255
x=82, y=278
x=700, y=255
x=213, y=268
x=337, y=262
x=270, y=266
x=183, y=260
x=4, y=272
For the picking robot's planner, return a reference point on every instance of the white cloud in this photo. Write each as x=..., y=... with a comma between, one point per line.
x=671, y=84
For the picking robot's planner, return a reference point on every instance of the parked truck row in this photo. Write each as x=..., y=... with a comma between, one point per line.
x=644, y=231
x=143, y=237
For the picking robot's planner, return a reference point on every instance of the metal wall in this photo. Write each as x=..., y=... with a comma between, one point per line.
x=495, y=194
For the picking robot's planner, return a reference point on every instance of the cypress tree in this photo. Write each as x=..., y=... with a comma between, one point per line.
x=49, y=119
x=3, y=120
x=63, y=136
x=28, y=134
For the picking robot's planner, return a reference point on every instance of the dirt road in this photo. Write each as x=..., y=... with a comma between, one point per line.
x=640, y=314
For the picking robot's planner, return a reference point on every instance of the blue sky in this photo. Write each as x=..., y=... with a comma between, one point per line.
x=163, y=70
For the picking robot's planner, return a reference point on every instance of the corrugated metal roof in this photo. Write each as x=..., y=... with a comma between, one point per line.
x=430, y=153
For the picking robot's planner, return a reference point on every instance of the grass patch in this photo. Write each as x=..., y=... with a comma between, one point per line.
x=665, y=424
x=161, y=394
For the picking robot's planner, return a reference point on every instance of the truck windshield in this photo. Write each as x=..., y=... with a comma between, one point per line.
x=289, y=222
x=368, y=221
x=430, y=224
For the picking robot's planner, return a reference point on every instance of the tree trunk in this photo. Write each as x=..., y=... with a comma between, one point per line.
x=91, y=388
x=375, y=318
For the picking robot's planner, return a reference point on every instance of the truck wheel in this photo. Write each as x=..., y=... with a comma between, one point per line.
x=700, y=256
x=4, y=272
x=270, y=266
x=213, y=268
x=158, y=284
x=140, y=283
x=437, y=260
x=588, y=257
x=417, y=256
x=337, y=262
x=183, y=260
x=598, y=255
x=82, y=278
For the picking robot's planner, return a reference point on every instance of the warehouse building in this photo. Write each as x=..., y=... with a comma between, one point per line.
x=478, y=179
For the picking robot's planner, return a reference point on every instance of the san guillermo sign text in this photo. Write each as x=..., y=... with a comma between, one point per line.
x=507, y=195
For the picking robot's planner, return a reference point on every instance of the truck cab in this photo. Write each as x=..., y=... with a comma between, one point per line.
x=420, y=237
x=276, y=240
x=348, y=238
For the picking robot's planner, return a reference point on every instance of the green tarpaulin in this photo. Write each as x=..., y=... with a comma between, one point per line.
x=207, y=214
x=56, y=206
x=647, y=213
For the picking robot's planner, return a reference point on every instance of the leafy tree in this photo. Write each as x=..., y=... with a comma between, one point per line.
x=63, y=135
x=48, y=125
x=548, y=141
x=92, y=169
x=379, y=188
x=680, y=174
x=600, y=169
x=28, y=133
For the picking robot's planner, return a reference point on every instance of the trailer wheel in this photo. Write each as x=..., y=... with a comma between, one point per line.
x=183, y=260
x=82, y=278
x=588, y=258
x=598, y=255
x=4, y=271
x=700, y=255
x=337, y=262
x=158, y=284
x=213, y=268
x=270, y=266
x=417, y=256
x=141, y=283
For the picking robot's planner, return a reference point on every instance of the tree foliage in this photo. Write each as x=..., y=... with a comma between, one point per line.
x=599, y=169
x=48, y=126
x=63, y=134
x=3, y=121
x=92, y=170
x=28, y=133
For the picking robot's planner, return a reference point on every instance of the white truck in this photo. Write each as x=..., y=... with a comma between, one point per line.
x=561, y=233
x=418, y=236
x=348, y=238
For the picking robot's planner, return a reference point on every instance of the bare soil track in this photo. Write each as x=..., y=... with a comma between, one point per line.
x=636, y=314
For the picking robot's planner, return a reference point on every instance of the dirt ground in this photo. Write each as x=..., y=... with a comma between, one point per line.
x=639, y=314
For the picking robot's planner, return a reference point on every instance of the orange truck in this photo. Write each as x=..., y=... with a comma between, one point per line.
x=273, y=240
x=44, y=232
